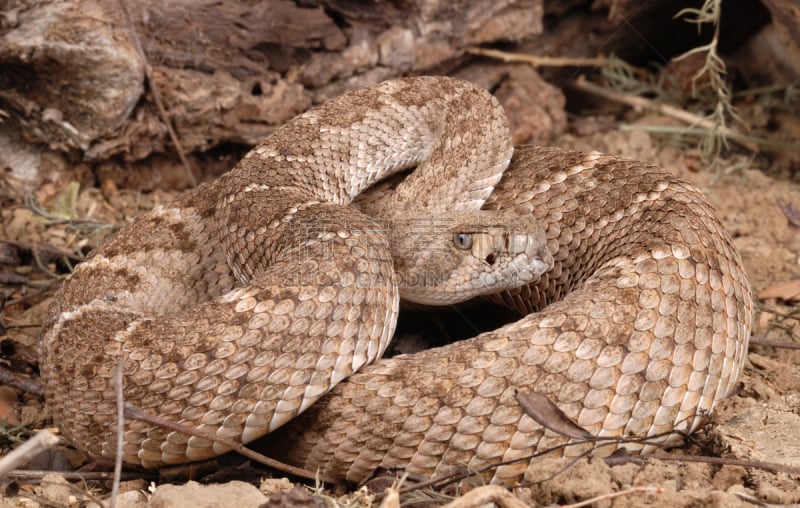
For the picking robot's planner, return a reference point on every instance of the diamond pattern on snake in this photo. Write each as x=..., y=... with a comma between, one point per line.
x=262, y=301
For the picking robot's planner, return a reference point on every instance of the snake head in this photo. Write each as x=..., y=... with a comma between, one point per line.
x=453, y=257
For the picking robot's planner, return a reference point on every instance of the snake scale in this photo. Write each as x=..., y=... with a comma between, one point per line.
x=262, y=300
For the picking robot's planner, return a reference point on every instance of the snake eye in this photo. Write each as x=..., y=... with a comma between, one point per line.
x=463, y=241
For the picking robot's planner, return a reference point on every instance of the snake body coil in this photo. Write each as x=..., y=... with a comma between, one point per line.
x=639, y=328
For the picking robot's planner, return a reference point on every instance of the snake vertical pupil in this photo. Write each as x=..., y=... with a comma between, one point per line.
x=462, y=240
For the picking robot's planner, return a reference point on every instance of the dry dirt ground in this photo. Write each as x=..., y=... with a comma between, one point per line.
x=760, y=424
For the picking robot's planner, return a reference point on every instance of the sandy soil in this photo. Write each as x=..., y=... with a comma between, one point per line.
x=760, y=423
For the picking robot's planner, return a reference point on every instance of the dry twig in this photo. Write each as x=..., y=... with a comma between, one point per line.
x=643, y=104
x=33, y=474
x=391, y=498
x=438, y=483
x=148, y=72
x=45, y=252
x=24, y=383
x=783, y=344
x=698, y=131
x=766, y=466
x=27, y=451
x=539, y=61
x=136, y=413
x=463, y=473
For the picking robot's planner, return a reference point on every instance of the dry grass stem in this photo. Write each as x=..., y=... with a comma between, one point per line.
x=714, y=71
x=643, y=104
x=766, y=466
x=82, y=226
x=33, y=474
x=148, y=72
x=136, y=413
x=539, y=61
x=693, y=131
x=391, y=499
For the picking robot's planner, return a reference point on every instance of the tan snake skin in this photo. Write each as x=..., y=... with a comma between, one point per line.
x=645, y=328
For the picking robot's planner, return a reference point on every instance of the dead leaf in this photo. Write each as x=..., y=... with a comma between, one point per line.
x=64, y=204
x=788, y=291
x=764, y=320
x=792, y=214
x=297, y=497
x=9, y=399
x=549, y=416
x=12, y=278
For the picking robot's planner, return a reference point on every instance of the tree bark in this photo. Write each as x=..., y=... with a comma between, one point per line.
x=73, y=79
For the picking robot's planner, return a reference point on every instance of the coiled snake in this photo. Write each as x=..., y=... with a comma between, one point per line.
x=240, y=304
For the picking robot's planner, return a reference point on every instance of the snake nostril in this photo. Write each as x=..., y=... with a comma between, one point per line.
x=490, y=259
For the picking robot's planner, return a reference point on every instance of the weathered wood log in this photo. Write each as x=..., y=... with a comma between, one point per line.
x=773, y=54
x=72, y=77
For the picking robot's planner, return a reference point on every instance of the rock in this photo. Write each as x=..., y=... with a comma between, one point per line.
x=130, y=499
x=298, y=497
x=195, y=495
x=56, y=489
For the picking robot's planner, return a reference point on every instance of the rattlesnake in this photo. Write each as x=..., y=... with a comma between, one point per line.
x=245, y=300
